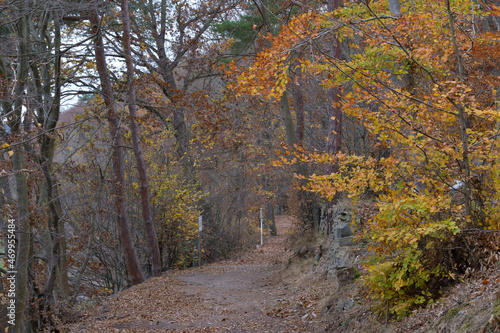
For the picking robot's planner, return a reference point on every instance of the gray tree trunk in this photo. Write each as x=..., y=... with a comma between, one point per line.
x=50, y=115
x=467, y=188
x=24, y=235
x=287, y=118
x=395, y=8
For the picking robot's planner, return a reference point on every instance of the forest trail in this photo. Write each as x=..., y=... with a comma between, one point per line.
x=234, y=295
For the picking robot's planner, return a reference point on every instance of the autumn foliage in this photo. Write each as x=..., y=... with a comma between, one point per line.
x=423, y=86
x=223, y=108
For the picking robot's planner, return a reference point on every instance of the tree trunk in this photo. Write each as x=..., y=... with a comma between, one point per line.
x=141, y=166
x=334, y=143
x=467, y=188
x=5, y=199
x=298, y=94
x=395, y=8
x=134, y=268
x=181, y=135
x=50, y=115
x=62, y=266
x=170, y=89
x=23, y=206
x=334, y=112
x=287, y=118
x=271, y=218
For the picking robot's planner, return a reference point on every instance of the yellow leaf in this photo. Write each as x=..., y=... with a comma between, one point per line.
x=11, y=152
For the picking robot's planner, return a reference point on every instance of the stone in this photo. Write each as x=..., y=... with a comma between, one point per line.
x=346, y=241
x=339, y=258
x=345, y=304
x=346, y=276
x=327, y=305
x=344, y=230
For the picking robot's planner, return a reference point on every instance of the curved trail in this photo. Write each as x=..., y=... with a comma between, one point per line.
x=235, y=295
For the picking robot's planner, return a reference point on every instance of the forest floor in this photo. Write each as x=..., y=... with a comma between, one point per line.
x=242, y=294
x=275, y=289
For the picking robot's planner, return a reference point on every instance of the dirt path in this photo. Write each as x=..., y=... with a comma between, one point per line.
x=238, y=295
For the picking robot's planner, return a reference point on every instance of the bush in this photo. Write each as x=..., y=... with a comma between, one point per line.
x=404, y=236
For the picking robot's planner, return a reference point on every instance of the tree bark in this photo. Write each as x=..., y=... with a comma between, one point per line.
x=287, y=117
x=298, y=94
x=462, y=121
x=334, y=143
x=50, y=115
x=62, y=266
x=141, y=166
x=271, y=218
x=395, y=8
x=134, y=268
x=334, y=111
x=23, y=205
